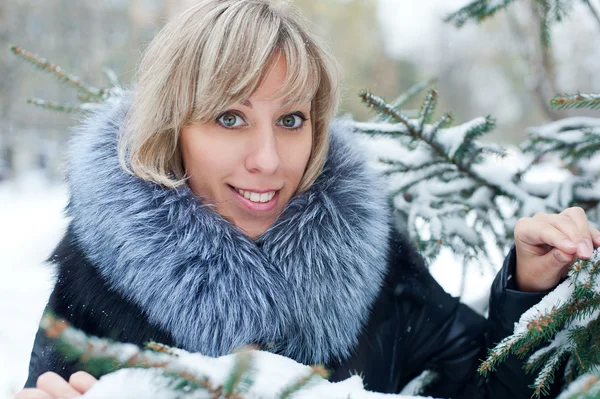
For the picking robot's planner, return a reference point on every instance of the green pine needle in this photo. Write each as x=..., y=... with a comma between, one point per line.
x=412, y=92
x=48, y=105
x=241, y=377
x=302, y=382
x=478, y=10
x=57, y=71
x=579, y=100
x=427, y=109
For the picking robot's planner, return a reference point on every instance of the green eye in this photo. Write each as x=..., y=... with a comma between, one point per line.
x=292, y=121
x=229, y=119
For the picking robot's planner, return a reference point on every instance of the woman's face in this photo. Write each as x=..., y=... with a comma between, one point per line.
x=250, y=160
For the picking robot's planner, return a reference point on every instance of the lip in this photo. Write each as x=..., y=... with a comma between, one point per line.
x=259, y=207
x=256, y=191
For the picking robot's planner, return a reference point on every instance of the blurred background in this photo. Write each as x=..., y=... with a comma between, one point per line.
x=498, y=68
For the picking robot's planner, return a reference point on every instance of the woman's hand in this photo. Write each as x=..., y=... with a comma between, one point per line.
x=548, y=244
x=51, y=385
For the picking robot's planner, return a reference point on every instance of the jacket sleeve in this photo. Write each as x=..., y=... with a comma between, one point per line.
x=467, y=336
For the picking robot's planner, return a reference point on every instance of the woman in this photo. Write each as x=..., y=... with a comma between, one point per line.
x=221, y=206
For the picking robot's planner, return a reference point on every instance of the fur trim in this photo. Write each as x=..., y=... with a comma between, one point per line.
x=305, y=292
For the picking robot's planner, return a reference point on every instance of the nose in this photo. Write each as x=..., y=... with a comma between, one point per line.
x=264, y=156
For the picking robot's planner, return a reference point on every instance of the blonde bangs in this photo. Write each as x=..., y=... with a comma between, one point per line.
x=242, y=58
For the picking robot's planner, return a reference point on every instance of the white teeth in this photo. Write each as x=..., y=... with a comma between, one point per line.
x=256, y=197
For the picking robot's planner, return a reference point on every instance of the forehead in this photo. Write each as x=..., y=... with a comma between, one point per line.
x=277, y=85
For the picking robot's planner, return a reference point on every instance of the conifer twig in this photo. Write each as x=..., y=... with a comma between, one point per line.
x=579, y=100
x=54, y=106
x=303, y=381
x=381, y=106
x=111, y=354
x=57, y=71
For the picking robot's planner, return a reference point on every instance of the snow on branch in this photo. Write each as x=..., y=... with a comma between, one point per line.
x=566, y=321
x=162, y=372
x=449, y=186
x=575, y=139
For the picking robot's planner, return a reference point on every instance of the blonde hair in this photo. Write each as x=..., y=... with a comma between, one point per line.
x=216, y=54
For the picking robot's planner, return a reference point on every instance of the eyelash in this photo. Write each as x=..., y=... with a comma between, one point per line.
x=298, y=114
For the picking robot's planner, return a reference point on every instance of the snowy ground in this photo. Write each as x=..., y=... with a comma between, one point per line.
x=31, y=224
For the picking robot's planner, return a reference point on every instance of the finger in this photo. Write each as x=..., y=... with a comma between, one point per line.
x=579, y=217
x=56, y=386
x=563, y=223
x=572, y=230
x=537, y=233
x=595, y=233
x=82, y=381
x=560, y=258
x=32, y=393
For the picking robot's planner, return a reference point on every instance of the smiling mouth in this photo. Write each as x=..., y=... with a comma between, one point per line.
x=261, y=201
x=256, y=196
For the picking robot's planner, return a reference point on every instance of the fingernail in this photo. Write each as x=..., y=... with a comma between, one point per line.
x=590, y=246
x=584, y=250
x=597, y=238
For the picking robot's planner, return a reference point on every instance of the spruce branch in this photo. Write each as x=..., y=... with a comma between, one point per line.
x=57, y=71
x=579, y=100
x=567, y=320
x=477, y=10
x=103, y=356
x=440, y=155
x=427, y=109
x=574, y=139
x=386, y=109
x=412, y=92
x=241, y=377
x=304, y=381
x=175, y=372
x=90, y=97
x=549, y=11
x=54, y=106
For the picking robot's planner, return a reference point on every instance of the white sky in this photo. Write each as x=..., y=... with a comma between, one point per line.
x=410, y=24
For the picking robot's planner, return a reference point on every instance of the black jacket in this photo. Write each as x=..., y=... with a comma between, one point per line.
x=413, y=326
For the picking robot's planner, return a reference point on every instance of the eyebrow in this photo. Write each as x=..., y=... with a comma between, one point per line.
x=248, y=104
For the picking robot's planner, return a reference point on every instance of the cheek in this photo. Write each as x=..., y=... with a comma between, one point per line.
x=296, y=157
x=205, y=163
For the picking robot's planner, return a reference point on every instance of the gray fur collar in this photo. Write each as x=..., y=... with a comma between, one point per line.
x=305, y=292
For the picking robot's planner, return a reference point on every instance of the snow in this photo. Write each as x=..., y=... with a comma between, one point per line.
x=31, y=224
x=556, y=298
x=452, y=138
x=266, y=375
x=589, y=380
x=150, y=384
x=556, y=129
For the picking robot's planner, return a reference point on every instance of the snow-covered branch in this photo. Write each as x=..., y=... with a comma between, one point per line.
x=162, y=372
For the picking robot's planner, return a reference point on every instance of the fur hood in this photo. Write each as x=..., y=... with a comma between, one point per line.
x=303, y=289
